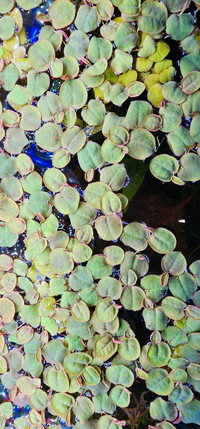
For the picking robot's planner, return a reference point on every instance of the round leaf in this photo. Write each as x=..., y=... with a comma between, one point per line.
x=61, y=13
x=159, y=382
x=41, y=54
x=60, y=261
x=73, y=93
x=67, y=200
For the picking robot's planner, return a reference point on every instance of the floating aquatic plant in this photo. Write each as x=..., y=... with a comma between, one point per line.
x=65, y=348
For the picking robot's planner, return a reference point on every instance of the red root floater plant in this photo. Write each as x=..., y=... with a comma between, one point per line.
x=97, y=87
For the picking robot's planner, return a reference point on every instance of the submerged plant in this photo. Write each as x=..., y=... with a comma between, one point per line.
x=65, y=348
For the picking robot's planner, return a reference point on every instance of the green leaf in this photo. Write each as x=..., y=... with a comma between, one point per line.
x=120, y=374
x=129, y=349
x=61, y=403
x=6, y=6
x=160, y=410
x=91, y=376
x=85, y=214
x=174, y=5
x=111, y=152
x=153, y=17
x=114, y=255
x=172, y=92
x=39, y=400
x=190, y=63
x=80, y=278
x=76, y=363
x=114, y=176
x=61, y=13
x=109, y=227
x=105, y=347
x=80, y=312
x=158, y=354
x=163, y=167
x=29, y=4
x=191, y=412
x=141, y=144
x=135, y=235
x=90, y=156
x=102, y=402
x=179, y=26
x=181, y=395
x=48, y=104
x=94, y=113
x=73, y=94
x=155, y=319
x=67, y=200
x=191, y=82
x=48, y=137
x=6, y=409
x=54, y=351
x=9, y=76
x=73, y=326
x=18, y=97
x=73, y=139
x=83, y=409
x=108, y=422
x=193, y=340
x=174, y=336
x=195, y=129
x=171, y=116
x=41, y=54
x=125, y=37
x=15, y=141
x=87, y=19
x=77, y=44
x=121, y=62
x=32, y=366
x=37, y=83
x=94, y=192
x=98, y=266
x=56, y=379
x=70, y=67
x=109, y=287
x=183, y=287
x=159, y=382
x=148, y=47
x=120, y=396
x=99, y=48
x=173, y=308
x=30, y=314
x=179, y=140
x=105, y=310
x=189, y=167
x=162, y=241
x=7, y=27
x=54, y=37
x=137, y=112
x=132, y=298
x=60, y=261
x=152, y=286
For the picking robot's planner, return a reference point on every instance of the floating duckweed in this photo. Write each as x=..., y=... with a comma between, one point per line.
x=70, y=265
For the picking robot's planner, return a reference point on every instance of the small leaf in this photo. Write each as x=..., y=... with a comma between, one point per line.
x=120, y=396
x=61, y=403
x=159, y=382
x=41, y=54
x=83, y=409
x=76, y=363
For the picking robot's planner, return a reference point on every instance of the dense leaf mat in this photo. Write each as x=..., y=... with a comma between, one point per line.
x=99, y=84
